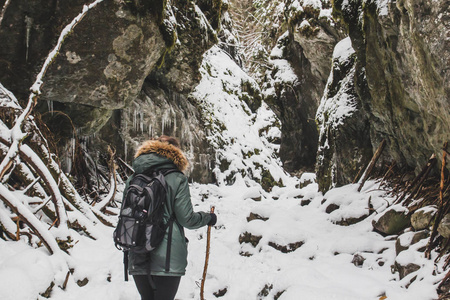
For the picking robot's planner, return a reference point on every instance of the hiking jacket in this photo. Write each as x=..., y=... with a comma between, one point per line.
x=160, y=155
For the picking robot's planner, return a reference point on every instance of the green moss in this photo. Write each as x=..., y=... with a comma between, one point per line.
x=213, y=11
x=267, y=181
x=230, y=179
x=224, y=165
x=309, y=31
x=265, y=291
x=250, y=95
x=169, y=33
x=65, y=245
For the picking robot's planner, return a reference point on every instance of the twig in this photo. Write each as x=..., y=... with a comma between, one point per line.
x=31, y=184
x=423, y=173
x=66, y=280
x=444, y=280
x=53, y=224
x=440, y=212
x=372, y=163
x=441, y=190
x=2, y=14
x=18, y=229
x=208, y=240
x=391, y=167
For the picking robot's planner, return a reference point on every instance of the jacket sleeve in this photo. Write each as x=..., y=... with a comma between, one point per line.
x=183, y=210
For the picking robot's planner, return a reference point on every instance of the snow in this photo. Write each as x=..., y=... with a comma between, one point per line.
x=343, y=50
x=383, y=7
x=320, y=269
x=233, y=129
x=334, y=109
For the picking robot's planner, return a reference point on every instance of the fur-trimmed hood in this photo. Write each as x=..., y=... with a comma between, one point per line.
x=166, y=150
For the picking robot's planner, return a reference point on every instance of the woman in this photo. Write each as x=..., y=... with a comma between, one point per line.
x=156, y=277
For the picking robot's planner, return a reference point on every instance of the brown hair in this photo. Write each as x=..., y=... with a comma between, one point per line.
x=169, y=139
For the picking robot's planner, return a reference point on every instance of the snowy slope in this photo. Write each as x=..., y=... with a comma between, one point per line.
x=321, y=268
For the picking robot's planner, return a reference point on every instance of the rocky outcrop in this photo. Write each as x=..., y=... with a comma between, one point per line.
x=401, y=62
x=102, y=64
x=344, y=142
x=308, y=47
x=123, y=75
x=163, y=106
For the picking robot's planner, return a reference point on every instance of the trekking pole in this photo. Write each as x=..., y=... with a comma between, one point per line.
x=208, y=239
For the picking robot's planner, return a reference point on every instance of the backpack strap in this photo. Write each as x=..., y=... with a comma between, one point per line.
x=169, y=243
x=125, y=264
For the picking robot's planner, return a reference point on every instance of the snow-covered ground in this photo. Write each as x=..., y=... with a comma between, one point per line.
x=321, y=268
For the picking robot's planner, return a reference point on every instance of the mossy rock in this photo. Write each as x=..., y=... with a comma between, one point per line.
x=291, y=247
x=421, y=219
x=254, y=216
x=265, y=291
x=392, y=222
x=351, y=221
x=247, y=237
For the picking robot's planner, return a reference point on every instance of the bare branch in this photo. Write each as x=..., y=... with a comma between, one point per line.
x=28, y=217
x=113, y=183
x=2, y=14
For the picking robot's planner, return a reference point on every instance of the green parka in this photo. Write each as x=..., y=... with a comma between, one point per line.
x=160, y=155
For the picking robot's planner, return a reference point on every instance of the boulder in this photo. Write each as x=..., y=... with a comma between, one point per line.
x=407, y=239
x=405, y=269
x=444, y=226
x=393, y=221
x=421, y=219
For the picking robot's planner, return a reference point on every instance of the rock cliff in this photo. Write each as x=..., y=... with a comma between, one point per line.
x=400, y=82
x=123, y=76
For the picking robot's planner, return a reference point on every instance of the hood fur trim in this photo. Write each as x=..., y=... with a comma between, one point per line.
x=164, y=149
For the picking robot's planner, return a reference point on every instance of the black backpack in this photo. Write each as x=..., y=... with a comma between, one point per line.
x=141, y=226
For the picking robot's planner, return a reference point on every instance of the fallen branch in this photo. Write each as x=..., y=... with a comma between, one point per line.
x=113, y=183
x=28, y=217
x=32, y=159
x=372, y=163
x=7, y=224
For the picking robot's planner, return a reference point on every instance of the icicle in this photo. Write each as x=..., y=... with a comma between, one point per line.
x=163, y=124
x=135, y=120
x=125, y=149
x=141, y=122
x=72, y=141
x=29, y=23
x=50, y=106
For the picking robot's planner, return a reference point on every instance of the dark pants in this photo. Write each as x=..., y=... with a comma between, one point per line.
x=165, y=287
